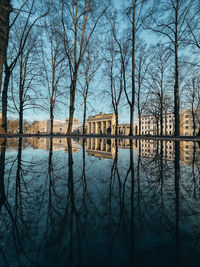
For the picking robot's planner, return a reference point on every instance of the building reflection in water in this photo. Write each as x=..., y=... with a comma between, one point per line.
x=138, y=206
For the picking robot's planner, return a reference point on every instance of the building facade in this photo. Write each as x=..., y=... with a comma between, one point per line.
x=106, y=123
x=124, y=129
x=59, y=126
x=189, y=124
x=101, y=124
x=151, y=125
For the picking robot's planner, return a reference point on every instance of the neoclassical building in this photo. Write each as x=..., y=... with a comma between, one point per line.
x=101, y=123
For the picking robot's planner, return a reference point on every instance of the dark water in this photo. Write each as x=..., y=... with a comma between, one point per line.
x=99, y=202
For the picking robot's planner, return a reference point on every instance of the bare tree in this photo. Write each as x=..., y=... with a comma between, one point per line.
x=90, y=66
x=143, y=60
x=116, y=84
x=79, y=21
x=27, y=75
x=54, y=68
x=116, y=58
x=158, y=84
x=137, y=12
x=29, y=21
x=173, y=25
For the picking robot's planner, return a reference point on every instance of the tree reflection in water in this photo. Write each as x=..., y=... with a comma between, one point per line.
x=102, y=202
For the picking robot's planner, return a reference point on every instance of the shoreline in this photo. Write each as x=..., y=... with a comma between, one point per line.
x=136, y=137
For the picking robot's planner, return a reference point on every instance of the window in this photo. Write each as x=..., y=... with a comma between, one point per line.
x=186, y=116
x=186, y=127
x=186, y=122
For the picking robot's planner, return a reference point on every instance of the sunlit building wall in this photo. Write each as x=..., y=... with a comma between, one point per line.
x=188, y=123
x=151, y=125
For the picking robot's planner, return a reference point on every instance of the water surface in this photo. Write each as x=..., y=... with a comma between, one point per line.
x=99, y=202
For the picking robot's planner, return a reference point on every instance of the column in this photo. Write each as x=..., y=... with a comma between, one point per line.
x=101, y=126
x=96, y=127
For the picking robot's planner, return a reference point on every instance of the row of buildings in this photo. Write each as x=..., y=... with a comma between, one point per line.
x=59, y=126
x=106, y=123
x=149, y=124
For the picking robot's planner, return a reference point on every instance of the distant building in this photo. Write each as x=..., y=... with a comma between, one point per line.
x=59, y=126
x=105, y=124
x=1, y=129
x=34, y=127
x=187, y=124
x=124, y=129
x=151, y=125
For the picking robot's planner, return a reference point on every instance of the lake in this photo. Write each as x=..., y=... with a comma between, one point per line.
x=99, y=202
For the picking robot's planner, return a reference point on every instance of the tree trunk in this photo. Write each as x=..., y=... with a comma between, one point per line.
x=139, y=122
x=133, y=70
x=5, y=99
x=84, y=114
x=2, y=173
x=157, y=125
x=21, y=114
x=161, y=115
x=193, y=120
x=51, y=116
x=72, y=103
x=5, y=9
x=176, y=85
x=117, y=121
x=131, y=119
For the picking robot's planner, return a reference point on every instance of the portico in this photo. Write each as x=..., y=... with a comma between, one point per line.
x=101, y=124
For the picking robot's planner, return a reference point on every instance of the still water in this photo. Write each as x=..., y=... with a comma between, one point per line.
x=99, y=202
